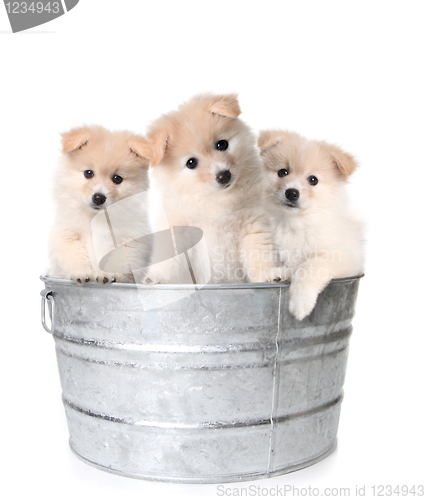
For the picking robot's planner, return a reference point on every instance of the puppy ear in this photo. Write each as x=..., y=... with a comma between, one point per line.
x=75, y=139
x=268, y=138
x=345, y=162
x=159, y=140
x=141, y=147
x=224, y=105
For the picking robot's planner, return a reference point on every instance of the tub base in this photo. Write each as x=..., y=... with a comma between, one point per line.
x=210, y=480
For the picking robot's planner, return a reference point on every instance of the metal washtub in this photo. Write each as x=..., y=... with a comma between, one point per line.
x=219, y=385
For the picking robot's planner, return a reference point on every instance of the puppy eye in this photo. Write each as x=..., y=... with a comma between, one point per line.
x=283, y=172
x=313, y=181
x=117, y=179
x=192, y=163
x=89, y=174
x=222, y=145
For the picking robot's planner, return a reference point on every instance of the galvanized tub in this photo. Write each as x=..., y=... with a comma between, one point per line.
x=221, y=384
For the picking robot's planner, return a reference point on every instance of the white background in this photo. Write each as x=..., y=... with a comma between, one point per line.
x=352, y=73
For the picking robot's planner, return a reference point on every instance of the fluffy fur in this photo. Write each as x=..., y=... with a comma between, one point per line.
x=234, y=225
x=86, y=243
x=318, y=237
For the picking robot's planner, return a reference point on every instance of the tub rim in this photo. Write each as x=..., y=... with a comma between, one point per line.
x=224, y=286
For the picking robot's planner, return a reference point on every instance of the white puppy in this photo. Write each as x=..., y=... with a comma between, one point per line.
x=318, y=237
x=98, y=218
x=207, y=167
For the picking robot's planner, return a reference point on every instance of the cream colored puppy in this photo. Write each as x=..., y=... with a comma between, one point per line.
x=207, y=169
x=97, y=225
x=317, y=235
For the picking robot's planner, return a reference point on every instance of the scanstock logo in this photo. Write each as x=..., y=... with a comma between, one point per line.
x=25, y=15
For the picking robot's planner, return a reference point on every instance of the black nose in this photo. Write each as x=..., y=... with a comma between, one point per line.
x=292, y=194
x=224, y=177
x=98, y=199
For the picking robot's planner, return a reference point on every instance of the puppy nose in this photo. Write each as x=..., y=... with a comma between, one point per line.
x=292, y=194
x=223, y=177
x=98, y=199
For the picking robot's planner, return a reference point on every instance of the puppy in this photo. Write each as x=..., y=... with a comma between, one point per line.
x=98, y=218
x=207, y=169
x=316, y=234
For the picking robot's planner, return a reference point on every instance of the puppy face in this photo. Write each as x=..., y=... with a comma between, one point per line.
x=303, y=175
x=202, y=146
x=101, y=167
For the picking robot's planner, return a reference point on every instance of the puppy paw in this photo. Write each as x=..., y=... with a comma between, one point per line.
x=275, y=274
x=302, y=302
x=82, y=276
x=151, y=281
x=152, y=277
x=104, y=278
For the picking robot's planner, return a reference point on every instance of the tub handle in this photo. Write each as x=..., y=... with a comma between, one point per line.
x=47, y=295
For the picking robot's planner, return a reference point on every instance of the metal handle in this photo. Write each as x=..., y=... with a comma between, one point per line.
x=47, y=295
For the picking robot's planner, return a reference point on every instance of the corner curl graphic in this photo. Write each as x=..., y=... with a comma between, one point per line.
x=24, y=15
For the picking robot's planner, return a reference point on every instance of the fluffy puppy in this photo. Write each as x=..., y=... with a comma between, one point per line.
x=317, y=236
x=98, y=220
x=207, y=169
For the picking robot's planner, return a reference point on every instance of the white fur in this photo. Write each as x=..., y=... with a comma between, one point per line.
x=82, y=246
x=320, y=239
x=235, y=226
